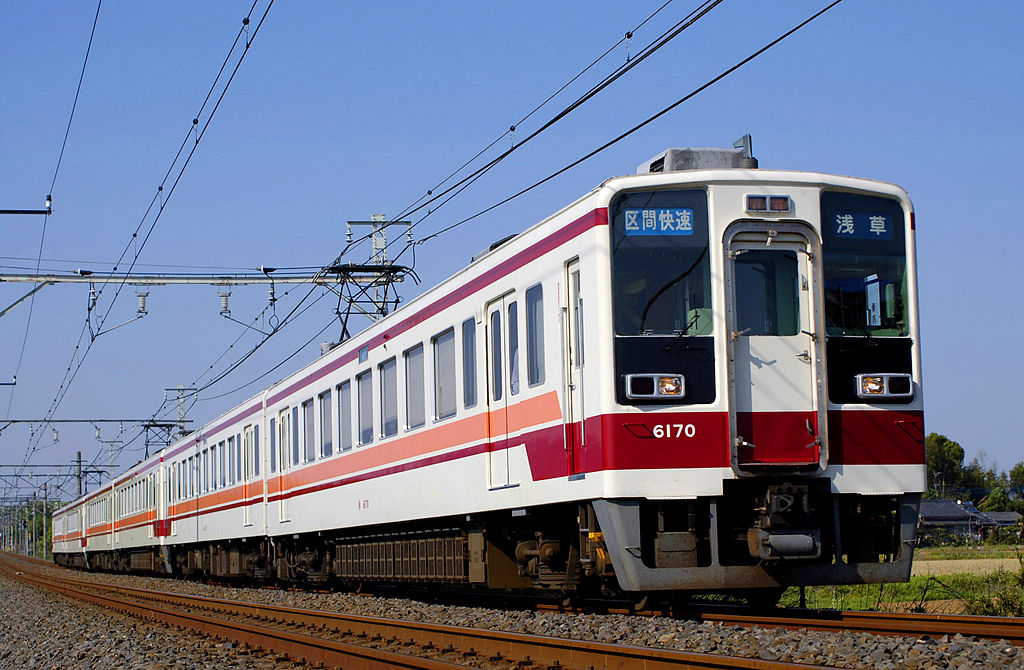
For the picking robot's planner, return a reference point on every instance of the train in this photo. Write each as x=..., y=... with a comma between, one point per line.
x=701, y=377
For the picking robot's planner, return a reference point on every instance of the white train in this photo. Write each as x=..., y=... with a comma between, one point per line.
x=686, y=380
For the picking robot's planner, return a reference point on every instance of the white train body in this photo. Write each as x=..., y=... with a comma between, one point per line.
x=662, y=386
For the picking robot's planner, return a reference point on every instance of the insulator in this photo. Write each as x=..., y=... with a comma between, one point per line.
x=142, y=295
x=224, y=295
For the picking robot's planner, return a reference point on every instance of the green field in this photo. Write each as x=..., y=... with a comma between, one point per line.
x=998, y=593
x=962, y=552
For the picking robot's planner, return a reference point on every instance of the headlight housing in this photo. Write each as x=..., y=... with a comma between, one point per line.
x=884, y=385
x=662, y=386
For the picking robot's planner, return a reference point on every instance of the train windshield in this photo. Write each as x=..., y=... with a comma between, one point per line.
x=660, y=270
x=865, y=265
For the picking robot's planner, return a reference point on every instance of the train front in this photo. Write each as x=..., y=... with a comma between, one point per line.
x=766, y=428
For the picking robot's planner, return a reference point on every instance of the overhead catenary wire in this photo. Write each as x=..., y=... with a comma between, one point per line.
x=53, y=182
x=630, y=131
x=652, y=47
x=678, y=28
x=430, y=197
x=72, y=369
x=511, y=129
x=76, y=263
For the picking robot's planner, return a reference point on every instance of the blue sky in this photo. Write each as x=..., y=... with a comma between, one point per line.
x=341, y=110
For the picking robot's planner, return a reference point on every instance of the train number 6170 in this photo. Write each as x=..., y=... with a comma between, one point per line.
x=674, y=430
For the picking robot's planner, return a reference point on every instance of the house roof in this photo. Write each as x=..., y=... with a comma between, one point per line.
x=951, y=513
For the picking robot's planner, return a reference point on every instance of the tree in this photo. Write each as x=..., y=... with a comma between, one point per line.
x=979, y=477
x=945, y=459
x=995, y=501
x=1017, y=479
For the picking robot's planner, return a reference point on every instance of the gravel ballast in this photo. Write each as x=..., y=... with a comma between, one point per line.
x=838, y=649
x=44, y=631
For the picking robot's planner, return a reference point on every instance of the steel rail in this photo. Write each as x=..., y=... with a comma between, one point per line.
x=1010, y=629
x=473, y=645
x=307, y=648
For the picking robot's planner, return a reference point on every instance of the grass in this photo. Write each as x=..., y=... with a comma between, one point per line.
x=999, y=593
x=966, y=552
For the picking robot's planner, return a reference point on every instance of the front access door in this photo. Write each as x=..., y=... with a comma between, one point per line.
x=503, y=385
x=776, y=375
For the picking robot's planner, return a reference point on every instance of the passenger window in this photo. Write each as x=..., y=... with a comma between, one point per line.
x=415, y=393
x=513, y=348
x=364, y=388
x=469, y=362
x=256, y=450
x=535, y=335
x=577, y=308
x=295, y=436
x=206, y=470
x=214, y=473
x=345, y=415
x=308, y=431
x=273, y=446
x=444, y=374
x=284, y=431
x=326, y=431
x=496, y=379
x=388, y=398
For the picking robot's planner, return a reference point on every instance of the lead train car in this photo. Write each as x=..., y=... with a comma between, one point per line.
x=690, y=380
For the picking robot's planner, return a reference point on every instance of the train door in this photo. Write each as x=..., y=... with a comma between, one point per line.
x=284, y=441
x=572, y=348
x=773, y=315
x=502, y=345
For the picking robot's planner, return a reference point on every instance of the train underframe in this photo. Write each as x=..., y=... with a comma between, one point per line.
x=760, y=536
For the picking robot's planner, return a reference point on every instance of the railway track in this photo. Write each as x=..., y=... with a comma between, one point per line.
x=879, y=623
x=335, y=639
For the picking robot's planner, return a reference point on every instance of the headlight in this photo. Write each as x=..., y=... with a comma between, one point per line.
x=885, y=386
x=655, y=386
x=871, y=385
x=670, y=385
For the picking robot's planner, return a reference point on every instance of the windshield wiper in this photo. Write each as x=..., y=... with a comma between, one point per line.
x=686, y=329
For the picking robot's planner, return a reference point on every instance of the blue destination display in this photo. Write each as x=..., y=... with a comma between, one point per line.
x=659, y=221
x=858, y=226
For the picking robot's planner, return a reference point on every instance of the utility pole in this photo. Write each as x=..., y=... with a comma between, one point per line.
x=378, y=225
x=32, y=532
x=182, y=392
x=46, y=514
x=78, y=472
